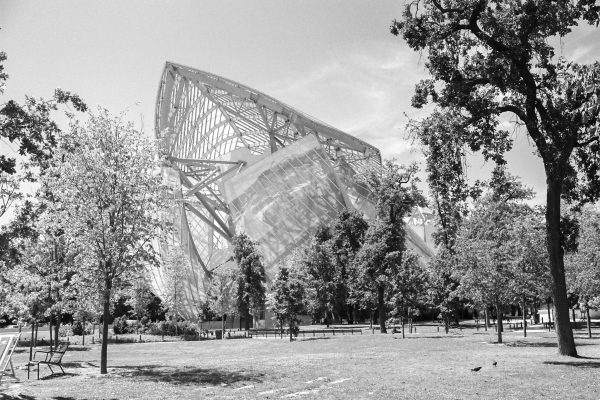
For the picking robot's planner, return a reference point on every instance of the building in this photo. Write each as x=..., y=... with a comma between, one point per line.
x=238, y=160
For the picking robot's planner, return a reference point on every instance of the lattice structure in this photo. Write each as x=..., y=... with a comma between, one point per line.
x=238, y=159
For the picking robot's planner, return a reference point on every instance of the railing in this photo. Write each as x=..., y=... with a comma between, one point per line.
x=304, y=332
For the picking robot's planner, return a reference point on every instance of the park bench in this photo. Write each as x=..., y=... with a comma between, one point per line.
x=52, y=357
x=7, y=346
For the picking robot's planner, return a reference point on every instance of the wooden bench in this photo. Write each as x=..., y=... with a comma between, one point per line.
x=52, y=357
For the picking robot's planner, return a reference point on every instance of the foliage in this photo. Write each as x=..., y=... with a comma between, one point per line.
x=251, y=278
x=380, y=257
x=286, y=300
x=107, y=198
x=347, y=237
x=174, y=264
x=409, y=284
x=583, y=266
x=500, y=252
x=316, y=264
x=223, y=289
x=173, y=328
x=490, y=58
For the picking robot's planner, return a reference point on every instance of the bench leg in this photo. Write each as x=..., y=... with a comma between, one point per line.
x=61, y=368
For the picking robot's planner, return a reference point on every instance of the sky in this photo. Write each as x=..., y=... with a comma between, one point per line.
x=332, y=59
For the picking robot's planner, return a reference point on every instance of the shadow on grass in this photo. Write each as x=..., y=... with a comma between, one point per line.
x=4, y=396
x=302, y=339
x=188, y=375
x=579, y=364
x=521, y=343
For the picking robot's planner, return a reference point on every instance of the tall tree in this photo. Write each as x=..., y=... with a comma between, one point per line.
x=381, y=254
x=108, y=198
x=251, y=279
x=488, y=58
x=347, y=237
x=287, y=296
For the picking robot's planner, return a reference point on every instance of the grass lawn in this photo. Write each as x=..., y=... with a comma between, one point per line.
x=426, y=365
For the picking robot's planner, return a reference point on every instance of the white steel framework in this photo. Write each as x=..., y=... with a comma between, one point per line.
x=212, y=130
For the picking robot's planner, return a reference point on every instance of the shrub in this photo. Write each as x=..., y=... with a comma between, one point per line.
x=172, y=328
x=120, y=325
x=78, y=329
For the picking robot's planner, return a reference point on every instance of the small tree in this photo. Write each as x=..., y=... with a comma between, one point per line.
x=251, y=278
x=174, y=266
x=286, y=299
x=222, y=293
x=108, y=198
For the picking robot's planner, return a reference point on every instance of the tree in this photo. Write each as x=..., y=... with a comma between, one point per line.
x=408, y=288
x=222, y=293
x=489, y=265
x=490, y=58
x=286, y=299
x=108, y=198
x=174, y=265
x=251, y=279
x=318, y=270
x=347, y=237
x=381, y=254
x=583, y=266
x=32, y=128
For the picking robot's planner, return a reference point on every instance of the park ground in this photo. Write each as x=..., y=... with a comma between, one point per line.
x=425, y=365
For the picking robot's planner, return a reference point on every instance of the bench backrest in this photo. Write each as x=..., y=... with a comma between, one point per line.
x=57, y=354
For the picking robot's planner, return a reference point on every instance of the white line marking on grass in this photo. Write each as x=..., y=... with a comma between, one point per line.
x=272, y=391
x=339, y=381
x=302, y=393
x=244, y=387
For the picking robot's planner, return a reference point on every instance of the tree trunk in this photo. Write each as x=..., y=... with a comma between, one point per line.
x=291, y=328
x=524, y=321
x=105, y=318
x=50, y=331
x=573, y=313
x=56, y=330
x=402, y=318
x=381, y=308
x=487, y=319
x=223, y=327
x=83, y=332
x=31, y=342
x=564, y=333
x=499, y=319
x=37, y=327
x=589, y=322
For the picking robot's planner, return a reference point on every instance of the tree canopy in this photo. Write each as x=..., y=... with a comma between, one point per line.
x=490, y=58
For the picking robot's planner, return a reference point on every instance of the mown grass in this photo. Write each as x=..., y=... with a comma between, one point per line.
x=426, y=365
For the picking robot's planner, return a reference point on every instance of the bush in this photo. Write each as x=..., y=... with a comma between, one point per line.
x=77, y=328
x=120, y=325
x=172, y=328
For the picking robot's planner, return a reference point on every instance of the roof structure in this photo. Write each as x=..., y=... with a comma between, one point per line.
x=238, y=160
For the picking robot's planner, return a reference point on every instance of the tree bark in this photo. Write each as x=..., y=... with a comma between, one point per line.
x=56, y=330
x=31, y=342
x=564, y=333
x=589, y=322
x=524, y=321
x=105, y=318
x=487, y=318
x=50, y=332
x=381, y=308
x=499, y=319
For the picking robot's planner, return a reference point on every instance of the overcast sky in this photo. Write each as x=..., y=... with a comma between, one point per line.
x=334, y=60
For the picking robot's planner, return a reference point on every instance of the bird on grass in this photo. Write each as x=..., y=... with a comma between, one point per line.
x=475, y=369
x=495, y=363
